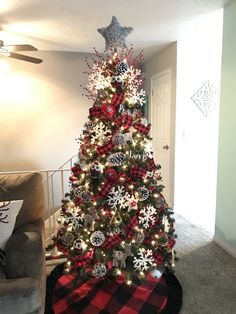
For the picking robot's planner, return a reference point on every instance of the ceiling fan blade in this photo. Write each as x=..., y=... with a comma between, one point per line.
x=24, y=58
x=13, y=48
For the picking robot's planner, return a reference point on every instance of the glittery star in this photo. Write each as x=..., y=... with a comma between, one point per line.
x=115, y=35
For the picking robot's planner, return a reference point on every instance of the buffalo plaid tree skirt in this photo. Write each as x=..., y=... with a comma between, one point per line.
x=110, y=296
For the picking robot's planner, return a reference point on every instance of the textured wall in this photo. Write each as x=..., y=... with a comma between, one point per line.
x=41, y=110
x=226, y=196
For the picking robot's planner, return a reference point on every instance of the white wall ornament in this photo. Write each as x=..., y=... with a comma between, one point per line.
x=206, y=98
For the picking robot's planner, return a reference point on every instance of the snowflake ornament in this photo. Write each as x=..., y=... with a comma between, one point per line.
x=97, y=79
x=147, y=217
x=144, y=261
x=100, y=133
x=138, y=98
x=118, y=197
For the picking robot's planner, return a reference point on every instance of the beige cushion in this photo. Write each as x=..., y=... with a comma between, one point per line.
x=8, y=213
x=26, y=187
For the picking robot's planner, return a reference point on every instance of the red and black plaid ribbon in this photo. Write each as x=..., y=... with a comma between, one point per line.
x=106, y=188
x=112, y=242
x=127, y=121
x=142, y=128
x=84, y=260
x=95, y=111
x=106, y=148
x=76, y=170
x=117, y=99
x=151, y=164
x=137, y=172
x=129, y=229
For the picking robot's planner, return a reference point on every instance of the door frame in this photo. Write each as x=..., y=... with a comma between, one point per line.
x=172, y=126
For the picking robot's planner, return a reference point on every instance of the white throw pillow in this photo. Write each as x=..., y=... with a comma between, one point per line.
x=8, y=213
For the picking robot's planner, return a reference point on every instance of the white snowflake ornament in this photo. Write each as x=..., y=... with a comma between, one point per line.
x=147, y=216
x=118, y=197
x=144, y=261
x=100, y=133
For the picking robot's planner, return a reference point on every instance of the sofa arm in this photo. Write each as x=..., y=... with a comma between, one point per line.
x=21, y=295
x=25, y=256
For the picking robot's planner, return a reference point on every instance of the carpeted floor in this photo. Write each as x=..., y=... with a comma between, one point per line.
x=206, y=272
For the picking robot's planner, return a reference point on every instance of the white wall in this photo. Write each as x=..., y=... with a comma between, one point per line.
x=198, y=61
x=225, y=231
x=41, y=110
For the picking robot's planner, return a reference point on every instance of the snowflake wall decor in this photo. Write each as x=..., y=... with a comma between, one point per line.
x=206, y=98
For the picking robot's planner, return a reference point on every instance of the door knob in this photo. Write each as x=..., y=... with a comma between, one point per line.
x=166, y=147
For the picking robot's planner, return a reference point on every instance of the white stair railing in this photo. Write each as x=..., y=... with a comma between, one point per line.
x=55, y=184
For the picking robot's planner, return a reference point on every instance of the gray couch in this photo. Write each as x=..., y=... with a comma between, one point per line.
x=22, y=279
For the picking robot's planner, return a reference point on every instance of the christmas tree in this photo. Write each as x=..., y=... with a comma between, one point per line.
x=115, y=220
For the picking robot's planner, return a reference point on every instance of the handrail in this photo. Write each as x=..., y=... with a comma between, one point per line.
x=55, y=182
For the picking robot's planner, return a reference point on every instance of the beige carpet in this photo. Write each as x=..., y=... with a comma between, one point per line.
x=206, y=272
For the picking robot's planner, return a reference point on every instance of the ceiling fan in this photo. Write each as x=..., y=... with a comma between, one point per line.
x=9, y=51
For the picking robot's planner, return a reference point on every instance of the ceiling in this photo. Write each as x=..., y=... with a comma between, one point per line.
x=71, y=25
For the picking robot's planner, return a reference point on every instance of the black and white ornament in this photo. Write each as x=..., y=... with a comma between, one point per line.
x=86, y=196
x=122, y=67
x=67, y=239
x=88, y=125
x=99, y=270
x=143, y=193
x=95, y=170
x=97, y=238
x=79, y=245
x=140, y=237
x=116, y=79
x=116, y=159
x=118, y=139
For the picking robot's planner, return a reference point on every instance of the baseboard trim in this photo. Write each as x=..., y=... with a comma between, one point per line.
x=225, y=246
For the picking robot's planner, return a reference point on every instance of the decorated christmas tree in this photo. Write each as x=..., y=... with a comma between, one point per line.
x=115, y=220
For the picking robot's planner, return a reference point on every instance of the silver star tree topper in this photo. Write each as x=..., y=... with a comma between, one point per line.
x=115, y=35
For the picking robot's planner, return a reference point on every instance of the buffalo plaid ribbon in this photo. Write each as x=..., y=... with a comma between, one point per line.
x=117, y=99
x=112, y=242
x=127, y=121
x=106, y=148
x=137, y=172
x=106, y=188
x=129, y=229
x=84, y=260
x=142, y=128
x=151, y=164
x=95, y=111
x=99, y=296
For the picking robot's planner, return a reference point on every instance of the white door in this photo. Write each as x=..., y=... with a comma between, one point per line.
x=160, y=130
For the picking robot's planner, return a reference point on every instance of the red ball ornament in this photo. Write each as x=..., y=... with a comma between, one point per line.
x=108, y=110
x=111, y=174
